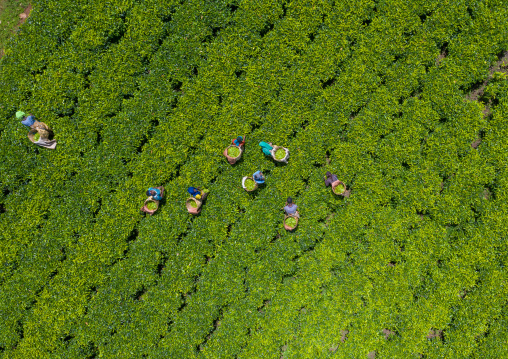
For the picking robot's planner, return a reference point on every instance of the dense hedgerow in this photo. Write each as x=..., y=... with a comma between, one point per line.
x=149, y=93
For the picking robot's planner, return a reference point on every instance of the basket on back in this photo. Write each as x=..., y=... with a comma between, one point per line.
x=151, y=200
x=339, y=188
x=283, y=159
x=227, y=153
x=193, y=205
x=42, y=129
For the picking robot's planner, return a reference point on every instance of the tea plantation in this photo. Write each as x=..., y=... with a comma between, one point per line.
x=406, y=101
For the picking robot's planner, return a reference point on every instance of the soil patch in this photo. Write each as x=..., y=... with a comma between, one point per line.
x=435, y=334
x=388, y=333
x=499, y=66
x=24, y=15
x=476, y=143
x=343, y=334
x=9, y=11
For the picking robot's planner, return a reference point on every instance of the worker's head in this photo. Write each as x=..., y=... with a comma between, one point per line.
x=239, y=139
x=328, y=174
x=290, y=200
x=151, y=192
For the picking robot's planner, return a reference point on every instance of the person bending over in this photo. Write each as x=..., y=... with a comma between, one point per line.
x=239, y=141
x=258, y=177
x=154, y=193
x=266, y=147
x=290, y=208
x=330, y=178
x=197, y=193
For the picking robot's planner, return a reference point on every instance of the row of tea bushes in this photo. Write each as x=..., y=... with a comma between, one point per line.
x=162, y=91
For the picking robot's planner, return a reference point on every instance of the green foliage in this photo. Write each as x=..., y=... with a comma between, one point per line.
x=9, y=19
x=291, y=222
x=250, y=184
x=233, y=152
x=496, y=86
x=280, y=153
x=151, y=205
x=149, y=93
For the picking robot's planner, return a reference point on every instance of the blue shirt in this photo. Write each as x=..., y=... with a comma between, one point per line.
x=157, y=196
x=29, y=121
x=258, y=177
x=238, y=143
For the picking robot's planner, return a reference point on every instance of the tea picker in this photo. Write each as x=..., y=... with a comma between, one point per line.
x=338, y=187
x=194, y=203
x=251, y=183
x=266, y=147
x=278, y=153
x=39, y=132
x=330, y=178
x=197, y=193
x=151, y=204
x=239, y=141
x=154, y=193
x=290, y=208
x=291, y=215
x=258, y=177
x=234, y=151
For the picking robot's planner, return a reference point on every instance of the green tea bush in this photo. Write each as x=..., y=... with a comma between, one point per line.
x=144, y=93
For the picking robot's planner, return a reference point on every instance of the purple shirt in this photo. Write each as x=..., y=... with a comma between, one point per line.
x=290, y=210
x=330, y=180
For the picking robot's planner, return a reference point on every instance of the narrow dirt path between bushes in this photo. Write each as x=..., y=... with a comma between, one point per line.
x=500, y=66
x=6, y=7
x=476, y=95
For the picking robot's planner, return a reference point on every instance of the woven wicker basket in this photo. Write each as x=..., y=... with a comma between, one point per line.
x=42, y=129
x=286, y=157
x=190, y=208
x=233, y=160
x=335, y=185
x=146, y=209
x=288, y=228
x=245, y=188
x=148, y=200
